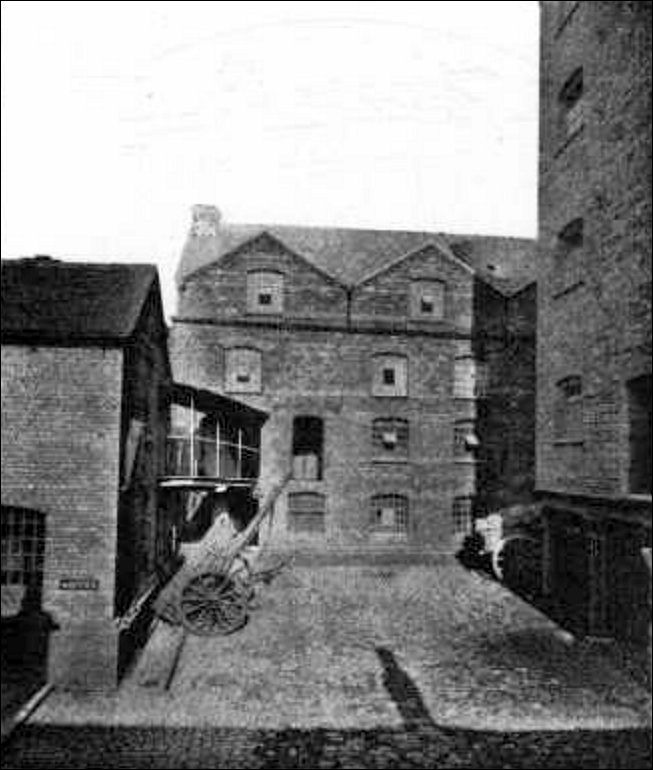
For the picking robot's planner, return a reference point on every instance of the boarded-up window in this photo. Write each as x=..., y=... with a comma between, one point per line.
x=427, y=299
x=462, y=514
x=390, y=375
x=23, y=546
x=389, y=513
x=306, y=512
x=464, y=378
x=568, y=410
x=264, y=292
x=390, y=437
x=243, y=370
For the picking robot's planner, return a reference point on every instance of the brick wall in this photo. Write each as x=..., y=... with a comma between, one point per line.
x=598, y=324
x=60, y=456
x=594, y=310
x=504, y=341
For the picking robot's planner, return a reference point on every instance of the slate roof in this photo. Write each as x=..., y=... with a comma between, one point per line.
x=52, y=301
x=350, y=255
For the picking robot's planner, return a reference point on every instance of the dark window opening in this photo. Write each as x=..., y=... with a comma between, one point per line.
x=572, y=90
x=639, y=414
x=307, y=447
x=572, y=105
x=571, y=235
x=388, y=376
x=265, y=299
x=426, y=305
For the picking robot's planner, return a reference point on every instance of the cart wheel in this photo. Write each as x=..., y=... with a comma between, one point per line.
x=516, y=561
x=213, y=603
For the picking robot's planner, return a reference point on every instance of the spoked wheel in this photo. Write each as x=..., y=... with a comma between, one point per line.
x=516, y=561
x=213, y=603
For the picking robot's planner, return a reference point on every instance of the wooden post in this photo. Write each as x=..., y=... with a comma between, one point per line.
x=217, y=448
x=192, y=437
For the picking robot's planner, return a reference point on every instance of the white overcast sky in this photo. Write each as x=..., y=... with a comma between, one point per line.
x=118, y=116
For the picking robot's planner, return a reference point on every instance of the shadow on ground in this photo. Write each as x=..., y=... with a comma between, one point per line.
x=420, y=743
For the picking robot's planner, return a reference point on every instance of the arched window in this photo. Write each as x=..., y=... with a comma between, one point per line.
x=23, y=547
x=571, y=101
x=389, y=514
x=390, y=437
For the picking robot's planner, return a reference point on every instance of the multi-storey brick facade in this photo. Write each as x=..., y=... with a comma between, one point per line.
x=594, y=310
x=361, y=346
x=84, y=377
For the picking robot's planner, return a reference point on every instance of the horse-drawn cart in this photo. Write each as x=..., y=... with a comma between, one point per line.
x=211, y=595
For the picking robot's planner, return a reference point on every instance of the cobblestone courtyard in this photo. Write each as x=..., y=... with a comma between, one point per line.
x=361, y=667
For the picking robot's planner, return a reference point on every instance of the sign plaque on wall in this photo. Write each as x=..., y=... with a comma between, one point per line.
x=79, y=584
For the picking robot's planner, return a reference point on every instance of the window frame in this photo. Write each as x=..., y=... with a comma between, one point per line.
x=568, y=410
x=401, y=514
x=273, y=287
x=301, y=514
x=381, y=449
x=382, y=363
x=436, y=290
x=465, y=516
x=232, y=378
x=299, y=446
x=20, y=526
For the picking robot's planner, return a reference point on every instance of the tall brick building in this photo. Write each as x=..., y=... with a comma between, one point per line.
x=381, y=358
x=594, y=314
x=85, y=373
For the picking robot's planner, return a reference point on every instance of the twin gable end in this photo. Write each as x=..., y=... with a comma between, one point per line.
x=264, y=278
x=427, y=286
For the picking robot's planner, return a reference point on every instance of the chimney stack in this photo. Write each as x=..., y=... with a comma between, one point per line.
x=206, y=221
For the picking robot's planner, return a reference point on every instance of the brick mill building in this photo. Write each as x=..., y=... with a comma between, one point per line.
x=594, y=320
x=397, y=368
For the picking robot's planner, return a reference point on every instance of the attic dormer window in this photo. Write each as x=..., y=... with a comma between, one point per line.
x=427, y=299
x=264, y=292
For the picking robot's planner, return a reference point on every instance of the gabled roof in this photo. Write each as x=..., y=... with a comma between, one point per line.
x=51, y=301
x=351, y=255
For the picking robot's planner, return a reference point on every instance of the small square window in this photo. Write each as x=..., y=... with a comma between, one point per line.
x=265, y=291
x=390, y=375
x=242, y=377
x=426, y=305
